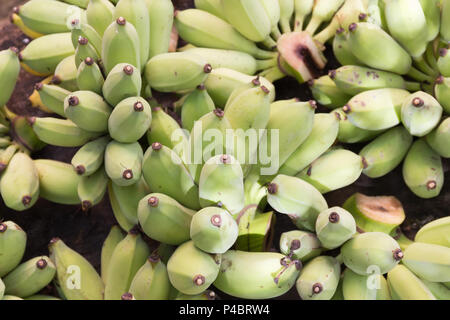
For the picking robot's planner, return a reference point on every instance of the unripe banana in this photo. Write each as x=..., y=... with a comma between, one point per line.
x=128, y=257
x=66, y=74
x=52, y=97
x=319, y=279
x=349, y=133
x=428, y=261
x=323, y=135
x=325, y=92
x=120, y=44
x=58, y=182
x=377, y=49
x=20, y=183
x=84, y=30
x=176, y=71
x=203, y=29
x=43, y=54
x=163, y=129
x=355, y=79
x=442, y=92
x=192, y=271
x=130, y=120
x=213, y=230
x=123, y=162
x=197, y=104
x=404, y=285
x=440, y=291
x=443, y=62
x=222, y=82
x=151, y=282
x=333, y=170
x=165, y=172
x=84, y=50
x=161, y=13
x=286, y=13
x=6, y=156
x=296, y=198
x=386, y=152
x=421, y=113
x=13, y=241
x=432, y=12
x=123, y=81
x=30, y=277
x=322, y=11
x=78, y=3
x=302, y=9
x=445, y=20
x=358, y=287
x=76, y=277
x=422, y=170
x=9, y=69
x=87, y=110
x=89, y=158
x=164, y=219
x=342, y=50
x=376, y=109
x=99, y=15
x=136, y=13
x=300, y=245
x=92, y=189
x=125, y=201
x=435, y=232
x=17, y=20
x=371, y=252
x=115, y=236
x=212, y=6
x=335, y=226
x=89, y=76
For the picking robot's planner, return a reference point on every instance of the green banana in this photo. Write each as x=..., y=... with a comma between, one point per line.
x=203, y=29
x=120, y=44
x=84, y=30
x=221, y=183
x=334, y=227
x=442, y=92
x=376, y=109
x=92, y=189
x=386, y=152
x=30, y=277
x=353, y=79
x=323, y=11
x=58, y=182
x=13, y=241
x=87, y=110
x=404, y=285
x=358, y=287
x=443, y=62
x=323, y=135
x=84, y=50
x=302, y=9
x=164, y=172
x=377, y=49
x=422, y=170
x=300, y=245
x=136, y=13
x=89, y=76
x=164, y=219
x=197, y=104
x=212, y=6
x=286, y=13
x=151, y=282
x=89, y=158
x=9, y=69
x=192, y=271
x=123, y=162
x=371, y=252
x=349, y=133
x=222, y=82
x=325, y=92
x=237, y=277
x=421, y=113
x=42, y=55
x=76, y=277
x=435, y=232
x=445, y=24
x=176, y=71
x=428, y=261
x=319, y=279
x=99, y=15
x=130, y=120
x=296, y=198
x=123, y=81
x=432, y=12
x=66, y=74
x=125, y=201
x=440, y=291
x=213, y=230
x=273, y=11
x=161, y=13
x=333, y=170
x=342, y=50
x=128, y=257
x=115, y=236
x=375, y=214
x=52, y=97
x=163, y=129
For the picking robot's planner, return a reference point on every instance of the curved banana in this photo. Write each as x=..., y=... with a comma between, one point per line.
x=13, y=241
x=161, y=13
x=435, y=232
x=9, y=69
x=115, y=235
x=123, y=162
x=123, y=81
x=92, y=189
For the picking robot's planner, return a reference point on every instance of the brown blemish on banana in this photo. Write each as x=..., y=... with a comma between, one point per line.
x=80, y=169
x=207, y=68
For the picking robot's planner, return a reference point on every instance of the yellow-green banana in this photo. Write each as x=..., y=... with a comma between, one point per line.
x=92, y=188
x=13, y=241
x=9, y=69
x=115, y=235
x=161, y=13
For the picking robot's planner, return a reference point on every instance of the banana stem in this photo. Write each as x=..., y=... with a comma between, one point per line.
x=327, y=33
x=422, y=65
x=419, y=76
x=430, y=57
x=313, y=25
x=428, y=88
x=285, y=25
x=264, y=54
x=273, y=74
x=179, y=103
x=266, y=64
x=299, y=21
x=269, y=43
x=412, y=86
x=276, y=34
